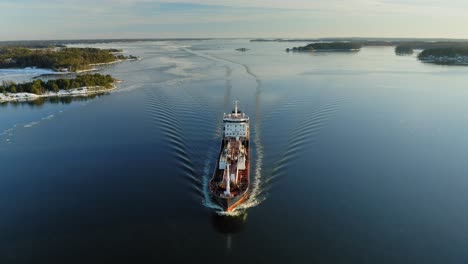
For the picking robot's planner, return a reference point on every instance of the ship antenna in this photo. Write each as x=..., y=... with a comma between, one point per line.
x=235, y=106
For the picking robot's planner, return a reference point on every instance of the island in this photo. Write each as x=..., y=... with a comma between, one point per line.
x=446, y=56
x=268, y=40
x=404, y=50
x=59, y=59
x=361, y=41
x=327, y=47
x=82, y=85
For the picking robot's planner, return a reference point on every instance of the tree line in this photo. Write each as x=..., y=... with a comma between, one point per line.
x=72, y=59
x=41, y=87
x=328, y=46
x=403, y=49
x=444, y=52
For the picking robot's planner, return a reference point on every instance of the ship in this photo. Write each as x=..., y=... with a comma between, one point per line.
x=231, y=178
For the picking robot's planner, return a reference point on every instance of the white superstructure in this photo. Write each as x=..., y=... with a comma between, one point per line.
x=236, y=124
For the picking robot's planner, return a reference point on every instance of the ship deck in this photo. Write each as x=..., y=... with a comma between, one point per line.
x=216, y=184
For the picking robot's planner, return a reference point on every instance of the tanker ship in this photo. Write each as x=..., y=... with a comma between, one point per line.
x=231, y=178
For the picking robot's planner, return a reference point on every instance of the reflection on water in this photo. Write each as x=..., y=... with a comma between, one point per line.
x=229, y=225
x=52, y=100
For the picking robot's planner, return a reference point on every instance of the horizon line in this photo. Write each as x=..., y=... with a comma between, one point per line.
x=251, y=38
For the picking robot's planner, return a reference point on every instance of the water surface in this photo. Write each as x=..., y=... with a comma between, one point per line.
x=357, y=158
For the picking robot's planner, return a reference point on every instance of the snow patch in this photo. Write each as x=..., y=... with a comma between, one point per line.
x=82, y=91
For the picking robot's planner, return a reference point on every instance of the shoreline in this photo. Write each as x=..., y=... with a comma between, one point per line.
x=81, y=91
x=112, y=62
x=81, y=71
x=325, y=50
x=446, y=61
x=56, y=72
x=94, y=64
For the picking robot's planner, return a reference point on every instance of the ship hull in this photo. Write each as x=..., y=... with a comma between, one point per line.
x=229, y=204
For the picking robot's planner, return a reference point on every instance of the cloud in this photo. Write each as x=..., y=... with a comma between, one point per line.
x=26, y=19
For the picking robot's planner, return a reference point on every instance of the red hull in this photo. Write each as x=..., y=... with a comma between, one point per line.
x=239, y=193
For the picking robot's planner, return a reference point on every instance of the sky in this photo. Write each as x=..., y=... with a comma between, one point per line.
x=85, y=19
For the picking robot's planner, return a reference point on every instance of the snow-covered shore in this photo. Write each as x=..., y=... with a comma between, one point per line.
x=112, y=62
x=25, y=74
x=93, y=68
x=88, y=70
x=82, y=91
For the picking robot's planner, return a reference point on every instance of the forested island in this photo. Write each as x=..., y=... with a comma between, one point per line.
x=439, y=51
x=82, y=85
x=404, y=50
x=58, y=59
x=327, y=46
x=449, y=55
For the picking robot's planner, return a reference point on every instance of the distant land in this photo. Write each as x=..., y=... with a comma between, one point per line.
x=363, y=41
x=327, y=46
x=63, y=43
x=54, y=54
x=432, y=50
x=404, y=50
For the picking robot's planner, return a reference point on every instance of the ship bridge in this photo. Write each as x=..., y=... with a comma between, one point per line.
x=236, y=124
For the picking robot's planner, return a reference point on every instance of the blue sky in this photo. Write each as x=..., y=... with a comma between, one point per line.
x=65, y=19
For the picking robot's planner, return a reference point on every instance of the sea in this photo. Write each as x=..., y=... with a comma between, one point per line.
x=356, y=157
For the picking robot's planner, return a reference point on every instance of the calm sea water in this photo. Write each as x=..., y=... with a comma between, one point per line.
x=357, y=158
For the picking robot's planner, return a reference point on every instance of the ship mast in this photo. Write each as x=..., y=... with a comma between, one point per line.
x=235, y=107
